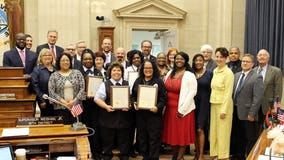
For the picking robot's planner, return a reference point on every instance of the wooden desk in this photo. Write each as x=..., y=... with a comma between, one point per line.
x=260, y=145
x=50, y=140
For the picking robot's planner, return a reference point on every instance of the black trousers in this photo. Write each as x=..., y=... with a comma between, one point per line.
x=249, y=136
x=90, y=119
x=235, y=134
x=110, y=137
x=149, y=135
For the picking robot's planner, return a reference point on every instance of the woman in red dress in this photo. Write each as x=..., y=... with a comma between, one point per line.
x=179, y=123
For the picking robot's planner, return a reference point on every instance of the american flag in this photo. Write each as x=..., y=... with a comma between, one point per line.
x=280, y=116
x=76, y=109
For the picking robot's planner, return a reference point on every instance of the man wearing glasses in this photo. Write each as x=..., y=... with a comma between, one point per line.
x=146, y=48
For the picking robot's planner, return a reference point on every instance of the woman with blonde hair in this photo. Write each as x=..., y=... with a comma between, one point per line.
x=39, y=80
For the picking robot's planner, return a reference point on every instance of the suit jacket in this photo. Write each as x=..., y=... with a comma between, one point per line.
x=76, y=63
x=12, y=59
x=272, y=87
x=58, y=49
x=211, y=65
x=250, y=95
x=235, y=66
x=153, y=58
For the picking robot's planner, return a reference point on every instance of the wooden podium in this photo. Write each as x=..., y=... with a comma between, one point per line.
x=15, y=98
x=52, y=142
x=260, y=145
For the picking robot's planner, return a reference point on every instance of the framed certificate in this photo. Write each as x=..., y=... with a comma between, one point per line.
x=119, y=97
x=93, y=84
x=147, y=96
x=132, y=76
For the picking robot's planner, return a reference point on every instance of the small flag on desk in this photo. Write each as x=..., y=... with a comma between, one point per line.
x=280, y=116
x=76, y=109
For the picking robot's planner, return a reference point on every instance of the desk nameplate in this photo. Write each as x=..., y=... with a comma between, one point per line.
x=39, y=121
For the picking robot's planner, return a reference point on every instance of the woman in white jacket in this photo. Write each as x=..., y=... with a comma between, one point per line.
x=179, y=120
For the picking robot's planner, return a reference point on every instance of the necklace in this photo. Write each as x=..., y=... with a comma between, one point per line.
x=200, y=74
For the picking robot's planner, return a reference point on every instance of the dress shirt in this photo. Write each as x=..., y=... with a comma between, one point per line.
x=263, y=72
x=91, y=70
x=101, y=93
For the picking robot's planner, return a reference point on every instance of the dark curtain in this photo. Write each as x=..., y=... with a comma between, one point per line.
x=264, y=29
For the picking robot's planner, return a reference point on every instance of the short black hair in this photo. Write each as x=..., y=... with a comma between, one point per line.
x=86, y=51
x=113, y=65
x=223, y=51
x=57, y=65
x=131, y=54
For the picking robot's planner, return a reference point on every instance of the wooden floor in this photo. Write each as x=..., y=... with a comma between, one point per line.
x=166, y=157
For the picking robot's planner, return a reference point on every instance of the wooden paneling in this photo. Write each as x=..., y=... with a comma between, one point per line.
x=13, y=81
x=105, y=32
x=11, y=71
x=51, y=140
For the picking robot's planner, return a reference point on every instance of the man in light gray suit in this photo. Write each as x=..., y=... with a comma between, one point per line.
x=272, y=83
x=248, y=94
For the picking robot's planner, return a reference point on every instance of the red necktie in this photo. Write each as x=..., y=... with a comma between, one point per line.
x=53, y=53
x=23, y=57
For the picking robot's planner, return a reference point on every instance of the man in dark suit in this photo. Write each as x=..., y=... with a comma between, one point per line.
x=52, y=36
x=207, y=50
x=120, y=54
x=107, y=46
x=235, y=63
x=146, y=48
x=272, y=83
x=248, y=94
x=20, y=56
x=70, y=49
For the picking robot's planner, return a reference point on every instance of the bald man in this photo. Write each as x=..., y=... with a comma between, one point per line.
x=272, y=78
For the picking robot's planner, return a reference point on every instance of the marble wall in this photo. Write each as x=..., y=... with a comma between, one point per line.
x=217, y=22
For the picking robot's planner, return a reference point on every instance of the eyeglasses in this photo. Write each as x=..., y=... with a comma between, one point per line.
x=70, y=49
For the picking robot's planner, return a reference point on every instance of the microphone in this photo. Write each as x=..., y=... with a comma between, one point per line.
x=45, y=96
x=76, y=125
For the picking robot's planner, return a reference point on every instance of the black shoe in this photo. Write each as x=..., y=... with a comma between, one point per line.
x=133, y=154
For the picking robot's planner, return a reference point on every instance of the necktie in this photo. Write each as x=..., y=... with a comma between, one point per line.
x=118, y=84
x=89, y=72
x=239, y=85
x=23, y=57
x=53, y=53
x=259, y=70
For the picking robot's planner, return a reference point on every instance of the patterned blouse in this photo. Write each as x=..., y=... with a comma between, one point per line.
x=57, y=82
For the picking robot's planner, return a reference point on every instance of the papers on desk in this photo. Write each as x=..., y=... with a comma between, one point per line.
x=11, y=132
x=265, y=157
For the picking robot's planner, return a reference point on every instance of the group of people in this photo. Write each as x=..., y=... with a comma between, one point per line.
x=217, y=105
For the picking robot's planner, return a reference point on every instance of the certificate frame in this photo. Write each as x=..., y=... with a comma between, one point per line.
x=93, y=84
x=147, y=97
x=132, y=76
x=119, y=97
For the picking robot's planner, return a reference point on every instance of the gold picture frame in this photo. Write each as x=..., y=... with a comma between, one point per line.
x=120, y=97
x=147, y=97
x=93, y=84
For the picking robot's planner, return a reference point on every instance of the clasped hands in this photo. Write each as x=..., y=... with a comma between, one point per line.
x=153, y=109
